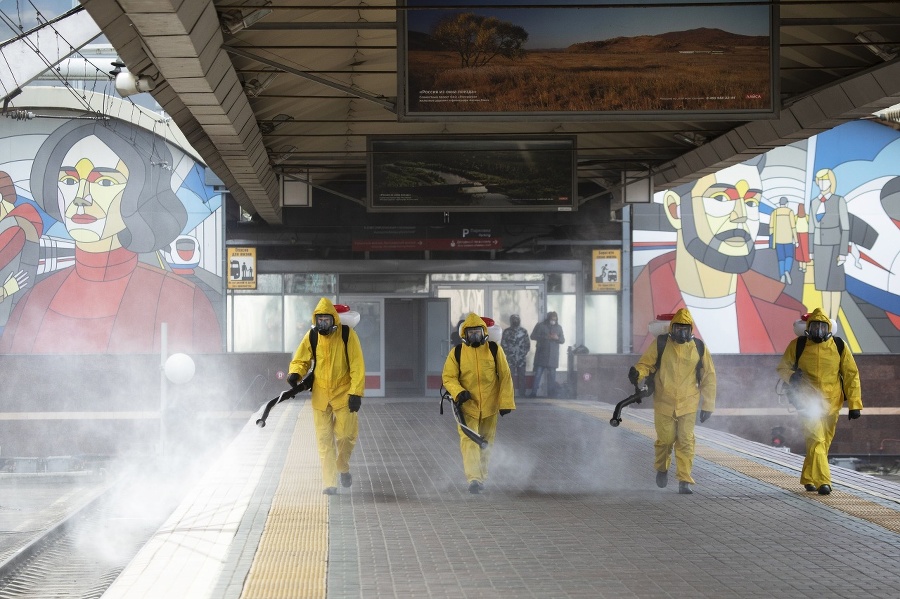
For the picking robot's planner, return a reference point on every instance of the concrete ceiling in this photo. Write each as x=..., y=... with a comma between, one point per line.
x=297, y=92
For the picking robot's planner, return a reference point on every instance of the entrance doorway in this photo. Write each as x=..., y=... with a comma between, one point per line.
x=416, y=342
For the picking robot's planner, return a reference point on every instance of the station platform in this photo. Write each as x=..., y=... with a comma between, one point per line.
x=571, y=509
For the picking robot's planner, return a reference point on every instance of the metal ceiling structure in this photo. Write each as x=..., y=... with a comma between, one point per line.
x=263, y=88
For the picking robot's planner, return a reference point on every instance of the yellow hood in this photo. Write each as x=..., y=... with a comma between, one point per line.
x=818, y=315
x=326, y=307
x=682, y=317
x=472, y=321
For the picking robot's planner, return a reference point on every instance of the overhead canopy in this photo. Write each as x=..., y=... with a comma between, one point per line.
x=298, y=86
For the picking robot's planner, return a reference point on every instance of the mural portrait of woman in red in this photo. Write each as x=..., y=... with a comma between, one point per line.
x=111, y=185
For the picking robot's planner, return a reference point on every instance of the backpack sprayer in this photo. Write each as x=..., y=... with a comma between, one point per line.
x=454, y=407
x=304, y=385
x=797, y=391
x=657, y=327
x=460, y=419
x=350, y=319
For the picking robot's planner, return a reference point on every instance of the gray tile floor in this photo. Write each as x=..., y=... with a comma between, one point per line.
x=571, y=510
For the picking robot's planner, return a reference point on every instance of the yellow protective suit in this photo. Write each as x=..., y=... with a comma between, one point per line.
x=822, y=396
x=491, y=387
x=337, y=428
x=677, y=398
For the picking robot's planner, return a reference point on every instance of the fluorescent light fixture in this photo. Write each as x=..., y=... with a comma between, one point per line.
x=876, y=44
x=691, y=139
x=270, y=125
x=238, y=21
x=255, y=86
x=283, y=154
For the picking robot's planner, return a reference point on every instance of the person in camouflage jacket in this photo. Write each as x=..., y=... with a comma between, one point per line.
x=516, y=345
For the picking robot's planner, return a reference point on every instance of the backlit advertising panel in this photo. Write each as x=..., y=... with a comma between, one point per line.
x=625, y=59
x=472, y=174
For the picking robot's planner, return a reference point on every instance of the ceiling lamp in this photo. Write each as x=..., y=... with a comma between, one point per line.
x=877, y=45
x=270, y=125
x=255, y=86
x=690, y=138
x=129, y=84
x=281, y=155
x=237, y=21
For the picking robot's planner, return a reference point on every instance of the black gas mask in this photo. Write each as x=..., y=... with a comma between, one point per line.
x=681, y=333
x=324, y=324
x=817, y=331
x=473, y=336
x=514, y=321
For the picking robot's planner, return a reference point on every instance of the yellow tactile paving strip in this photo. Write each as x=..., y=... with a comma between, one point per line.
x=291, y=560
x=848, y=503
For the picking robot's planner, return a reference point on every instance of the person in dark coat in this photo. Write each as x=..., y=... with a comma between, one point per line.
x=548, y=336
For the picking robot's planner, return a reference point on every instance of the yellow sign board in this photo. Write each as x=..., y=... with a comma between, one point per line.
x=241, y=268
x=606, y=271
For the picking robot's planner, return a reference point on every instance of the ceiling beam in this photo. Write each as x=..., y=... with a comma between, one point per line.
x=357, y=93
x=178, y=44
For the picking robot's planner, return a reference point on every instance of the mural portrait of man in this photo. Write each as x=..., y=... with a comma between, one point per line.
x=693, y=245
x=735, y=308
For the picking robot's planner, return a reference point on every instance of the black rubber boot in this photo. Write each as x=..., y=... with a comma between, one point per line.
x=810, y=487
x=330, y=491
x=346, y=479
x=684, y=488
x=475, y=487
x=824, y=489
x=662, y=479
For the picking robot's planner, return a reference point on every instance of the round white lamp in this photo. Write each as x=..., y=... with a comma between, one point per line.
x=179, y=368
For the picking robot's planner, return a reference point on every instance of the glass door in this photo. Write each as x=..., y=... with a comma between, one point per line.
x=437, y=342
x=497, y=300
x=371, y=337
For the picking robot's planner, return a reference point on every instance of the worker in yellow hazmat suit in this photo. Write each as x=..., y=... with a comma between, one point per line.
x=483, y=388
x=680, y=385
x=337, y=390
x=819, y=382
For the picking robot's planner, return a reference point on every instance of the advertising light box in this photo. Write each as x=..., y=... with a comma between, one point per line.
x=471, y=174
x=611, y=60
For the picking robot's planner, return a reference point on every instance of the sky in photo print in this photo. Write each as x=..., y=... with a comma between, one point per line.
x=561, y=27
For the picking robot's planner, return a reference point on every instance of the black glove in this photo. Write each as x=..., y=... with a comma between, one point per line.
x=463, y=397
x=854, y=414
x=796, y=376
x=633, y=376
x=354, y=403
x=293, y=379
x=306, y=384
x=505, y=412
x=704, y=415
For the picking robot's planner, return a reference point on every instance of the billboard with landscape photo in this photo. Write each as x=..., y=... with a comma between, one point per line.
x=472, y=174
x=610, y=59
